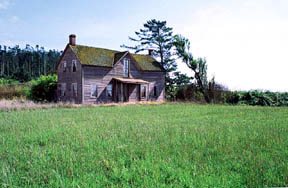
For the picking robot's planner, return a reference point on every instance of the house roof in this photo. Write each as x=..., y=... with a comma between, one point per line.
x=107, y=58
x=118, y=56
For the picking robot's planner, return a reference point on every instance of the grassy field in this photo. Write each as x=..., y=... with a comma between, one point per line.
x=169, y=145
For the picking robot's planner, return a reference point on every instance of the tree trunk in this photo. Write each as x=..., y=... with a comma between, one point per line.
x=203, y=90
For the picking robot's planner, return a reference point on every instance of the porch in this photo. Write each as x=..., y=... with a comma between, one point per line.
x=129, y=90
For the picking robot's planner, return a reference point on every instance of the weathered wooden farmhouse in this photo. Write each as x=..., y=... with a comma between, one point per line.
x=97, y=75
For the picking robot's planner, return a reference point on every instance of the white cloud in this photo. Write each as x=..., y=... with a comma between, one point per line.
x=14, y=19
x=245, y=48
x=4, y=4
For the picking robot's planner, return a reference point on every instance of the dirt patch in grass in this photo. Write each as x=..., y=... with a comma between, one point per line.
x=22, y=104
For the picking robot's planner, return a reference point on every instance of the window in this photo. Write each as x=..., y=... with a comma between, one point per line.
x=126, y=67
x=143, y=91
x=94, y=92
x=74, y=89
x=64, y=66
x=63, y=89
x=74, y=63
x=155, y=91
x=109, y=90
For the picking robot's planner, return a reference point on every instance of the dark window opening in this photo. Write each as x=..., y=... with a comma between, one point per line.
x=143, y=91
x=73, y=65
x=155, y=91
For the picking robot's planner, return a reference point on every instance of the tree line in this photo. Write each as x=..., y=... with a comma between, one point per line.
x=24, y=64
x=32, y=62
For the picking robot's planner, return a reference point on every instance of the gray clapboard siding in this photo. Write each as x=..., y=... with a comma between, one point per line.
x=86, y=76
x=68, y=77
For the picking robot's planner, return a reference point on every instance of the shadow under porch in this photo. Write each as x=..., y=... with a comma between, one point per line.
x=129, y=90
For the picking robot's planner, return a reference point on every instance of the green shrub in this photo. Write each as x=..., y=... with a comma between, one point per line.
x=256, y=97
x=6, y=81
x=189, y=93
x=253, y=97
x=44, y=88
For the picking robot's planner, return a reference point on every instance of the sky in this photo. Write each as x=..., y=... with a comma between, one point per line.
x=245, y=42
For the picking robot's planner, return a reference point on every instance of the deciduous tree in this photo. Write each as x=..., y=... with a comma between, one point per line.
x=198, y=66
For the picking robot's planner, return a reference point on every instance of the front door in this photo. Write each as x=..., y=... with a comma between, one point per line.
x=138, y=93
x=121, y=91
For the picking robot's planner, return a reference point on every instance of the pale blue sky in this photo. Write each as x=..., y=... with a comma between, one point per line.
x=245, y=42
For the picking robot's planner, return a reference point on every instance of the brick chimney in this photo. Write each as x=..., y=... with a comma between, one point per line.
x=72, y=40
x=150, y=52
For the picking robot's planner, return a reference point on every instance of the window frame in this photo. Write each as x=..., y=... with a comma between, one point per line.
x=74, y=62
x=141, y=91
x=63, y=89
x=74, y=92
x=93, y=91
x=64, y=64
x=126, y=67
x=109, y=90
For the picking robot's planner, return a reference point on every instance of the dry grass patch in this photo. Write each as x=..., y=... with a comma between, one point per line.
x=22, y=104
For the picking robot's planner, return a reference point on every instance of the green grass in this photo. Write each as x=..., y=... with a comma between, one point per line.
x=170, y=145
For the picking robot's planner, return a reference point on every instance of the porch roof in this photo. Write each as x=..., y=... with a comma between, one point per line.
x=131, y=80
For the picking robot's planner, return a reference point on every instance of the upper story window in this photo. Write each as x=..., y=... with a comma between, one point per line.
x=74, y=65
x=64, y=66
x=94, y=92
x=126, y=67
x=109, y=90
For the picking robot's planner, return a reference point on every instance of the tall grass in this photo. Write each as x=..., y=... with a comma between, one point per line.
x=170, y=145
x=10, y=89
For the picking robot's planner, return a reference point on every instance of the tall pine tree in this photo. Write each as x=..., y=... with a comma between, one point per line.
x=156, y=36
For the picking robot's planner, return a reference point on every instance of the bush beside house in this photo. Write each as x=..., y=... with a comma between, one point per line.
x=44, y=89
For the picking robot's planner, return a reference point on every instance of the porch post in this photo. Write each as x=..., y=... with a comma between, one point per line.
x=115, y=91
x=121, y=92
x=148, y=92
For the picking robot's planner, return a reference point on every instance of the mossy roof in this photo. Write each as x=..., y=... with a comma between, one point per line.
x=147, y=63
x=106, y=58
x=118, y=56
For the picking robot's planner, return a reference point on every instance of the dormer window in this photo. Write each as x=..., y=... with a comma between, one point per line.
x=126, y=67
x=74, y=65
x=64, y=66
